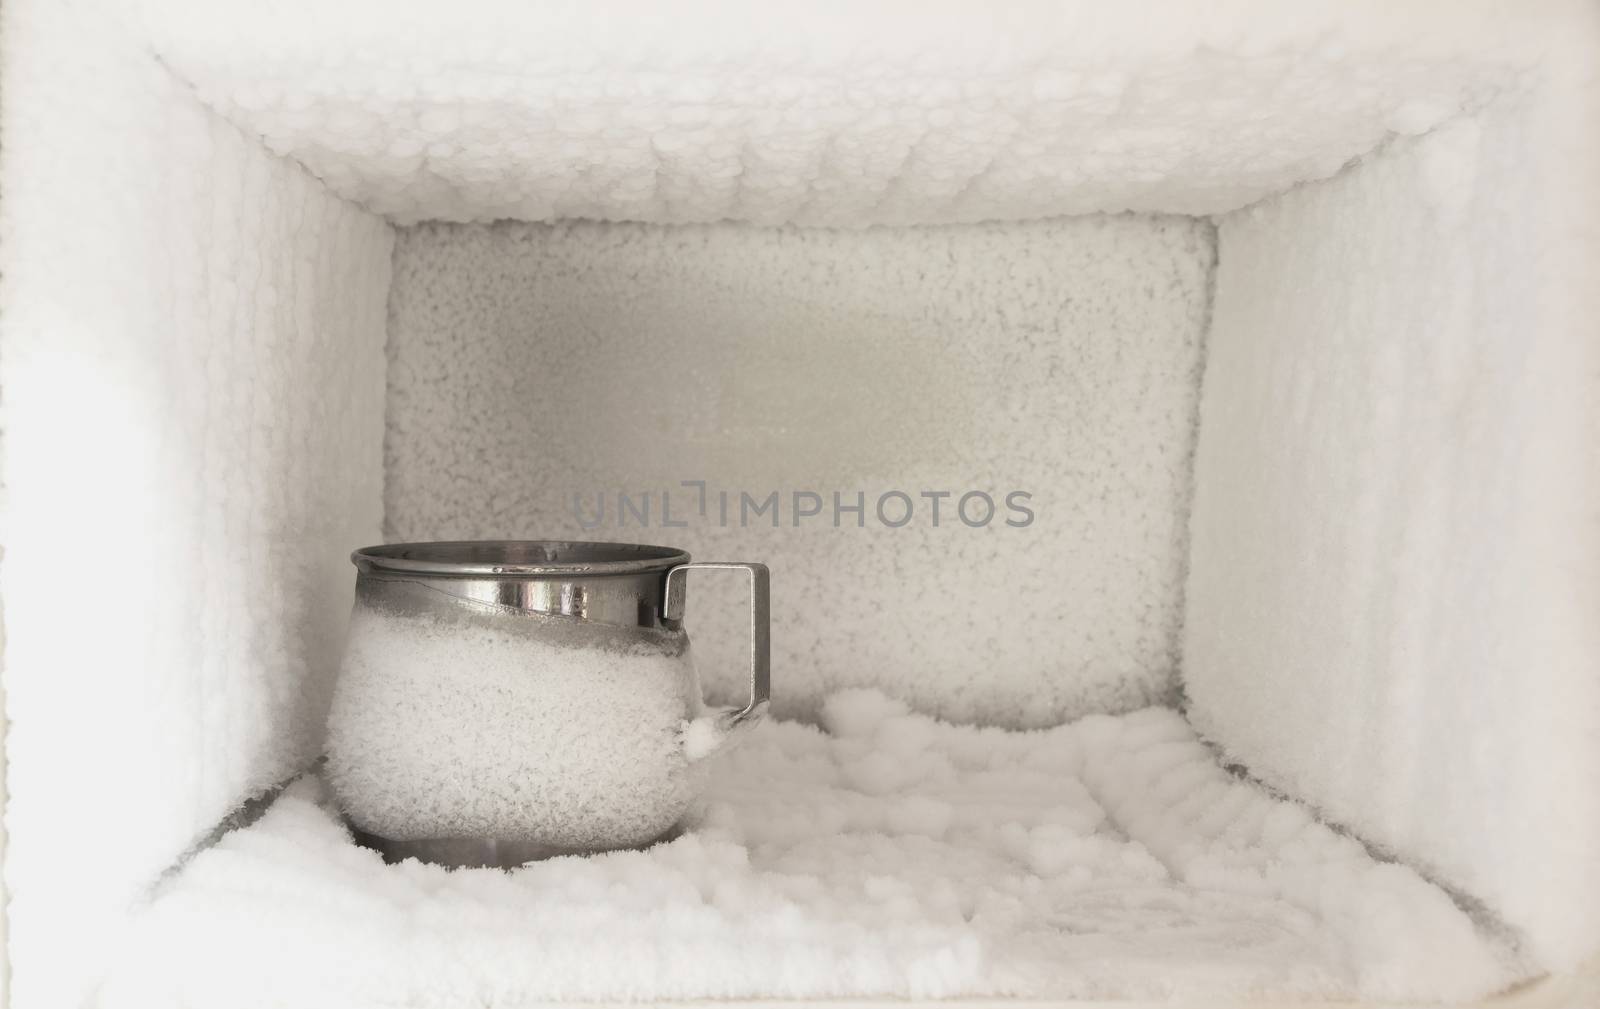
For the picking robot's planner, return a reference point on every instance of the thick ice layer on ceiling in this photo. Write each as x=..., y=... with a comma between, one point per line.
x=896, y=856
x=831, y=113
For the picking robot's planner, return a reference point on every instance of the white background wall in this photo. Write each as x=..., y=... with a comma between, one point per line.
x=1058, y=358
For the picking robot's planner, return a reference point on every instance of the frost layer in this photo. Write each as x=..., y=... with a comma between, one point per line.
x=519, y=728
x=891, y=856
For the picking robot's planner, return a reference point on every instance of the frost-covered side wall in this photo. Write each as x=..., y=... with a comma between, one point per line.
x=191, y=337
x=1055, y=359
x=1396, y=533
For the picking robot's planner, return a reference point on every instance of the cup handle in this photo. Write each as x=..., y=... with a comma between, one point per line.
x=728, y=722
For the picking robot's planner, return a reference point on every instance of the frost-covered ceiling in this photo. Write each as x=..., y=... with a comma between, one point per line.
x=832, y=113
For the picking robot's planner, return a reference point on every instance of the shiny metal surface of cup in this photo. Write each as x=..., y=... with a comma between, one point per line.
x=569, y=595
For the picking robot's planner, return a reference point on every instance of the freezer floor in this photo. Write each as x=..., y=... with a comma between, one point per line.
x=886, y=854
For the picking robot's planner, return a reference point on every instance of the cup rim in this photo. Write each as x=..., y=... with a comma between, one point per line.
x=516, y=558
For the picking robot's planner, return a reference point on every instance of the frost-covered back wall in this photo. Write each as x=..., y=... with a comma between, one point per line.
x=901, y=422
x=1388, y=609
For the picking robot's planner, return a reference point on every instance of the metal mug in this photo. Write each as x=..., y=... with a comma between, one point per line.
x=502, y=701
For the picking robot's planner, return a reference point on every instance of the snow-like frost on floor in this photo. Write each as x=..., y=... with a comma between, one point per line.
x=892, y=855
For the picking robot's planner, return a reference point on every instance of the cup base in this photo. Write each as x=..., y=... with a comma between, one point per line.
x=481, y=852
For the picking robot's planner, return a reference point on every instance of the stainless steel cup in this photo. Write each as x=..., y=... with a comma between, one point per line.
x=501, y=701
